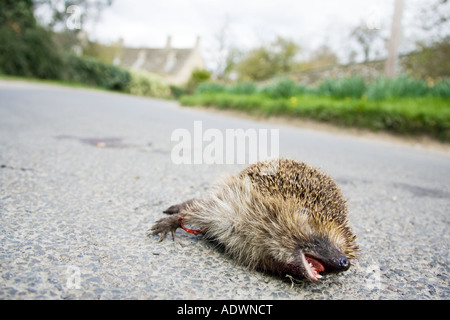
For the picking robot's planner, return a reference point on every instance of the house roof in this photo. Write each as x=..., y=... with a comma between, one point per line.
x=162, y=61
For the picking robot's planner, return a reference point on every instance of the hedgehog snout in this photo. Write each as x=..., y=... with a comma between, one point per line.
x=341, y=264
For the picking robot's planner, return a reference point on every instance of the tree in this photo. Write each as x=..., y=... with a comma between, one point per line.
x=57, y=14
x=66, y=18
x=265, y=62
x=365, y=37
x=17, y=15
x=232, y=59
x=26, y=48
x=223, y=53
x=434, y=19
x=430, y=60
x=256, y=66
x=321, y=57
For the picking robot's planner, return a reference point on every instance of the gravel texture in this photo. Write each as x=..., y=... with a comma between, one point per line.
x=84, y=174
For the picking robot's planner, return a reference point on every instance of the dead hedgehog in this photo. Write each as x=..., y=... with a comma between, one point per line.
x=280, y=216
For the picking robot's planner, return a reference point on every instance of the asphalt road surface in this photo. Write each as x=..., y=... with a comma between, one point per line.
x=84, y=174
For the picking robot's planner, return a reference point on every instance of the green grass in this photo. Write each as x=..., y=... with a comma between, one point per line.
x=408, y=116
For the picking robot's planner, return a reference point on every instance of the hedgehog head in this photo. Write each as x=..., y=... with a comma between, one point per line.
x=321, y=244
x=312, y=242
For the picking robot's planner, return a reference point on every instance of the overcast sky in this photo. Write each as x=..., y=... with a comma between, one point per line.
x=310, y=23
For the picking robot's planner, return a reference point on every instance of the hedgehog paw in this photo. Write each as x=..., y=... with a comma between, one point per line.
x=163, y=226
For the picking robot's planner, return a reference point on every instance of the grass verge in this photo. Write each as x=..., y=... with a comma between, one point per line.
x=406, y=116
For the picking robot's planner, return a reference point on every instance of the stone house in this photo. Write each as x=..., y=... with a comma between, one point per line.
x=175, y=65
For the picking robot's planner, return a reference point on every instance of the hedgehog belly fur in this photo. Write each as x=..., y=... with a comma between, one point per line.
x=246, y=223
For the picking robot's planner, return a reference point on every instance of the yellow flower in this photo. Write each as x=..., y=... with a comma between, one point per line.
x=293, y=100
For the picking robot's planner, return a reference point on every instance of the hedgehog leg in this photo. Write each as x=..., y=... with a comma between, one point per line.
x=177, y=208
x=165, y=225
x=170, y=224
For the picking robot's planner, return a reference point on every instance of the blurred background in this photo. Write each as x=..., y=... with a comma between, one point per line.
x=382, y=65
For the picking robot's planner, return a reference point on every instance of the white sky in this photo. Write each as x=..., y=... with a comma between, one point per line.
x=310, y=23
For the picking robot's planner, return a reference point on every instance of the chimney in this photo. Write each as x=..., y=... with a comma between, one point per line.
x=169, y=42
x=197, y=43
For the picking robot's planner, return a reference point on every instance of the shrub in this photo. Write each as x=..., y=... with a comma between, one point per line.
x=147, y=84
x=283, y=89
x=244, y=87
x=403, y=86
x=176, y=92
x=441, y=89
x=209, y=87
x=94, y=72
x=29, y=53
x=198, y=76
x=352, y=87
